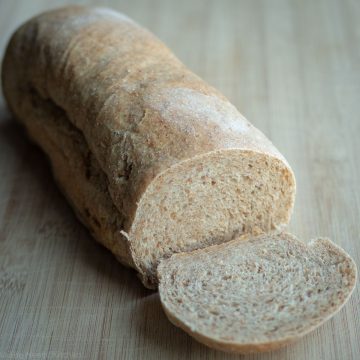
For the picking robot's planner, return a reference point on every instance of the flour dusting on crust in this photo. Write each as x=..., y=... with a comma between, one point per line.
x=192, y=108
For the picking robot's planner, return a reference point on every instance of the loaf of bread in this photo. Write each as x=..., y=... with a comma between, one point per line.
x=153, y=160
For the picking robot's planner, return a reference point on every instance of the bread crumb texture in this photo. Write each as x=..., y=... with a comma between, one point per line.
x=256, y=294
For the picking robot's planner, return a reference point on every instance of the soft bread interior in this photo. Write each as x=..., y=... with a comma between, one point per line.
x=207, y=200
x=258, y=294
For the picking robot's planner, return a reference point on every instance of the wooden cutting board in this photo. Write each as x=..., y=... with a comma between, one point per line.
x=293, y=69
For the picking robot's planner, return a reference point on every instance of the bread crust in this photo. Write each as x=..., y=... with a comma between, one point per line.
x=138, y=109
x=230, y=347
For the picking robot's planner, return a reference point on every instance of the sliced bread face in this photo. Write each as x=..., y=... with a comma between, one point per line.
x=193, y=205
x=256, y=294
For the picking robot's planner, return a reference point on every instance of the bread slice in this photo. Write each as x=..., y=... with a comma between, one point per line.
x=256, y=294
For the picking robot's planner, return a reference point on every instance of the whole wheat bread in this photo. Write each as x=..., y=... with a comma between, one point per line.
x=156, y=162
x=256, y=294
x=153, y=160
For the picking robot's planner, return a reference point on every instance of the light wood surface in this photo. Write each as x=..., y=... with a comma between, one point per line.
x=293, y=69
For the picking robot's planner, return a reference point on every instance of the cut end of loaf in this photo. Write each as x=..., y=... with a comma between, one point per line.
x=256, y=295
x=207, y=200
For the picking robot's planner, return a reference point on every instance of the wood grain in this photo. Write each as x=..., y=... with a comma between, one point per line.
x=293, y=69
